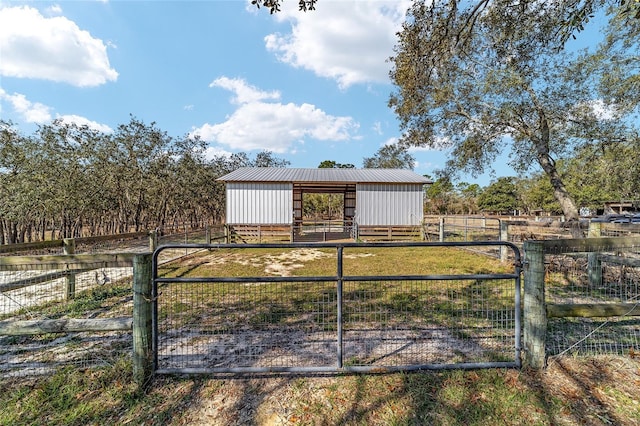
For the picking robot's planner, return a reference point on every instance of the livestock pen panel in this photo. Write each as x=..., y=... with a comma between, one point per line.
x=333, y=307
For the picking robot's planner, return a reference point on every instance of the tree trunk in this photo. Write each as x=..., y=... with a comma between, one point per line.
x=560, y=192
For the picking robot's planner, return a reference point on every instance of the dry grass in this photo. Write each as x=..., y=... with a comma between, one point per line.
x=571, y=391
x=595, y=391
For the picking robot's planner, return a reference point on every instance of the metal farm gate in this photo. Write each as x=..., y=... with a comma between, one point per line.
x=241, y=308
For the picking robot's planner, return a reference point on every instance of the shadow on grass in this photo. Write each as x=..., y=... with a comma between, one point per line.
x=571, y=392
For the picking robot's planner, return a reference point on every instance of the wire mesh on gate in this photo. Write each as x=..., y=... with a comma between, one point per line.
x=37, y=293
x=444, y=322
x=606, y=275
x=246, y=325
x=239, y=322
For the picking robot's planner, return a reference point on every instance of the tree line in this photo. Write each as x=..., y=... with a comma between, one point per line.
x=66, y=181
x=593, y=176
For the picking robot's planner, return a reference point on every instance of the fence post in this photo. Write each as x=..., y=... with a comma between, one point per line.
x=595, y=230
x=466, y=228
x=69, y=247
x=594, y=263
x=153, y=240
x=207, y=235
x=142, y=322
x=441, y=230
x=504, y=236
x=535, y=311
x=226, y=234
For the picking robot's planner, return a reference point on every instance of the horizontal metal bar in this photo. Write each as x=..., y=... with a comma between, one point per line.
x=382, y=244
x=246, y=279
x=236, y=370
x=336, y=370
x=461, y=277
x=297, y=279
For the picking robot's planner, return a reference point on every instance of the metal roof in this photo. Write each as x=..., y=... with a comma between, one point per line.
x=279, y=174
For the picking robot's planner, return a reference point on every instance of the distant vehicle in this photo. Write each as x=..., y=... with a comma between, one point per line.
x=608, y=218
x=618, y=218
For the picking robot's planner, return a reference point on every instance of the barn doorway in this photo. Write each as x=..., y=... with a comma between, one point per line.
x=323, y=213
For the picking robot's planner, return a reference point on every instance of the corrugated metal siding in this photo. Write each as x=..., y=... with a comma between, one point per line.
x=259, y=203
x=279, y=174
x=378, y=204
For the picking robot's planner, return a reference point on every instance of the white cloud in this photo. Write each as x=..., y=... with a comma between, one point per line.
x=349, y=41
x=276, y=127
x=390, y=141
x=55, y=49
x=602, y=110
x=36, y=112
x=244, y=93
x=273, y=126
x=420, y=149
x=31, y=112
x=82, y=121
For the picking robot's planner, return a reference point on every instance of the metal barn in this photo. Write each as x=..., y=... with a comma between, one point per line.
x=269, y=201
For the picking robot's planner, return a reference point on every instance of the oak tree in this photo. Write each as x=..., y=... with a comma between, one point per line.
x=482, y=79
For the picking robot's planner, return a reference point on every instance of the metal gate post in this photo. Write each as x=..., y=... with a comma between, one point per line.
x=339, y=307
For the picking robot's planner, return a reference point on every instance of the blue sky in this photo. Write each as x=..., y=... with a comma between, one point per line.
x=307, y=86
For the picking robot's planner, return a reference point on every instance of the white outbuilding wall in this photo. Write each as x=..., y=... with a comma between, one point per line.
x=266, y=203
x=389, y=204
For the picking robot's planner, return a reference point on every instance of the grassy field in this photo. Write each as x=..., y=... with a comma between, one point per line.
x=571, y=391
x=587, y=391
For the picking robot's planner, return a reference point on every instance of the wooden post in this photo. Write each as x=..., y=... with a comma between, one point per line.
x=535, y=311
x=207, y=235
x=227, y=234
x=441, y=230
x=153, y=240
x=595, y=230
x=69, y=247
x=594, y=263
x=142, y=319
x=504, y=236
x=466, y=228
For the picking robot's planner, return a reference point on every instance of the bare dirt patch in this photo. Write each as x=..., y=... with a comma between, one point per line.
x=281, y=265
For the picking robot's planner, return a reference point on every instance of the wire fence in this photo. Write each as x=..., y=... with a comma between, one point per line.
x=608, y=274
x=34, y=296
x=619, y=229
